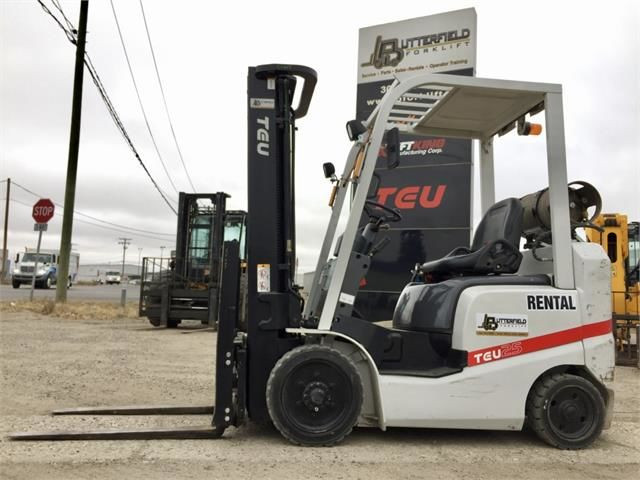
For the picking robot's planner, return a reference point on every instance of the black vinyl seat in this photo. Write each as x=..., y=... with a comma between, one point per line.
x=495, y=248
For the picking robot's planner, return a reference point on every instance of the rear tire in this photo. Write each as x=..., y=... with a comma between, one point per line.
x=566, y=411
x=314, y=395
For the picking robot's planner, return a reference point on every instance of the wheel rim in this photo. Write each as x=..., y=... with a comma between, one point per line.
x=571, y=412
x=317, y=396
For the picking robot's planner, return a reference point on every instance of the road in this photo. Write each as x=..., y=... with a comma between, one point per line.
x=70, y=362
x=77, y=292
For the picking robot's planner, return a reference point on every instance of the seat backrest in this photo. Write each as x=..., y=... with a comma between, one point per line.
x=503, y=221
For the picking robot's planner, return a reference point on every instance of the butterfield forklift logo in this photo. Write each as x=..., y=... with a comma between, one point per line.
x=489, y=323
x=386, y=53
x=502, y=324
x=390, y=52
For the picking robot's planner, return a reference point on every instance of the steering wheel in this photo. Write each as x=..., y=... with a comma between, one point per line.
x=393, y=214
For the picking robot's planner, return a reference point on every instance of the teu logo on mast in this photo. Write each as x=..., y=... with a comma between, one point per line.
x=263, y=136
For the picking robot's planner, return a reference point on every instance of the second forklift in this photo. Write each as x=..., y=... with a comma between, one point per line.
x=186, y=285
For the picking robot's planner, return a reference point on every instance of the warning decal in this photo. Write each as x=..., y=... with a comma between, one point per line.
x=264, y=277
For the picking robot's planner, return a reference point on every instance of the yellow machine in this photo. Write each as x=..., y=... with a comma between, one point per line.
x=621, y=241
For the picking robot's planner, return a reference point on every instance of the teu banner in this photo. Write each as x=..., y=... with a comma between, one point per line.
x=431, y=187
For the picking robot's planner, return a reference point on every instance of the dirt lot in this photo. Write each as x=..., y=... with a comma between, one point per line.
x=48, y=362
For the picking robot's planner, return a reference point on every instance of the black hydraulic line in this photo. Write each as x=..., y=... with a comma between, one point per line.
x=287, y=199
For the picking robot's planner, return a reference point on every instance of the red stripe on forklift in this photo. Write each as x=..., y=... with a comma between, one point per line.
x=550, y=340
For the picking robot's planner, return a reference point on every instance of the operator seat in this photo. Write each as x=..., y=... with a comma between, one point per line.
x=430, y=307
x=495, y=248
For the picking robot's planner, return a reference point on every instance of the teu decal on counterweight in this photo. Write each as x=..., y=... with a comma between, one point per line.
x=551, y=302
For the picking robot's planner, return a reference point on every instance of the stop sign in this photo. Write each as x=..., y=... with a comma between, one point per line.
x=43, y=210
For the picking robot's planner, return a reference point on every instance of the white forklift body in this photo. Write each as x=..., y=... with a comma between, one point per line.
x=561, y=322
x=486, y=337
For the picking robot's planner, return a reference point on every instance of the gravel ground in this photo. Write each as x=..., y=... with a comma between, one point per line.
x=50, y=363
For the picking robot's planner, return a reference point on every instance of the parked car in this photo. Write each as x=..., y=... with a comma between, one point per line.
x=113, y=277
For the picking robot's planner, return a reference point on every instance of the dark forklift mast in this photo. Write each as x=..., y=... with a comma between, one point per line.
x=273, y=301
x=245, y=355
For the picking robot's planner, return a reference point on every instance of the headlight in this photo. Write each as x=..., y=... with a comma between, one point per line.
x=16, y=270
x=42, y=271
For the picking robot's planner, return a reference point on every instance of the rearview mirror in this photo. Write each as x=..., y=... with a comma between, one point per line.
x=393, y=148
x=329, y=170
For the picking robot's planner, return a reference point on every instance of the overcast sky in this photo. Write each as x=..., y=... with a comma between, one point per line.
x=203, y=51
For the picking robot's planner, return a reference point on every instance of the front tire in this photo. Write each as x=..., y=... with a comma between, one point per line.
x=15, y=284
x=566, y=411
x=47, y=282
x=314, y=395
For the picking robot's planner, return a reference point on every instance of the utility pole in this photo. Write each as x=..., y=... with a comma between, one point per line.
x=124, y=242
x=161, y=252
x=139, y=264
x=6, y=228
x=72, y=164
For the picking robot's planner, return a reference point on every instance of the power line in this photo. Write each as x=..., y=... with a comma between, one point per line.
x=66, y=20
x=71, y=36
x=110, y=108
x=164, y=99
x=135, y=86
x=118, y=230
x=116, y=119
x=76, y=212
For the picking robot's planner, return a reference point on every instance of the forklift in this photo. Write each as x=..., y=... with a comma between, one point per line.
x=487, y=337
x=621, y=240
x=186, y=285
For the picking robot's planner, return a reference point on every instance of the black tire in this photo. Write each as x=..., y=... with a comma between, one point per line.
x=173, y=323
x=314, y=395
x=566, y=411
x=15, y=284
x=46, y=283
x=155, y=321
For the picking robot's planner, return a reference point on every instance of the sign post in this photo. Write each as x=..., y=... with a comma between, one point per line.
x=42, y=213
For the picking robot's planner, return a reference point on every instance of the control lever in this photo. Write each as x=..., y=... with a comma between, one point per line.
x=379, y=246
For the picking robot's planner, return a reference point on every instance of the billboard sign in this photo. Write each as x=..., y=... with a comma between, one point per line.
x=431, y=187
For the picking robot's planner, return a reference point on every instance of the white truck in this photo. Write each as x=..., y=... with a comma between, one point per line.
x=47, y=273
x=113, y=277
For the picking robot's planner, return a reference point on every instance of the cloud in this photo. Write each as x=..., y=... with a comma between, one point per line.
x=203, y=53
